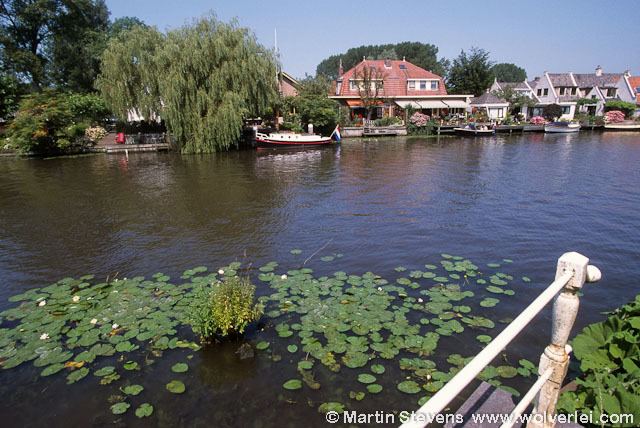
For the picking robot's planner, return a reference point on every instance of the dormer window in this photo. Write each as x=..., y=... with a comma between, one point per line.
x=611, y=92
x=422, y=85
x=412, y=85
x=573, y=91
x=562, y=91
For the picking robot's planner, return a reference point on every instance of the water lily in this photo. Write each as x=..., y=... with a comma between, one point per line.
x=379, y=288
x=283, y=277
x=114, y=326
x=94, y=321
x=420, y=300
x=221, y=272
x=76, y=299
x=42, y=303
x=44, y=336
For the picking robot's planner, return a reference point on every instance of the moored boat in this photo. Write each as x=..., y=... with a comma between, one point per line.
x=622, y=126
x=561, y=127
x=290, y=139
x=475, y=131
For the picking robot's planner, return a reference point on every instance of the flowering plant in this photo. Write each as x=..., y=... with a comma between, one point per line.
x=614, y=116
x=419, y=119
x=95, y=133
x=537, y=120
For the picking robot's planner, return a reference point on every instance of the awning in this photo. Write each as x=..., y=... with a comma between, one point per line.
x=432, y=104
x=354, y=103
x=405, y=104
x=456, y=103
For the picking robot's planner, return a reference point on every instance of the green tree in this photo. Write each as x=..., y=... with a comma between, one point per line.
x=129, y=72
x=423, y=55
x=507, y=72
x=123, y=24
x=203, y=79
x=10, y=91
x=516, y=100
x=312, y=106
x=470, y=73
x=552, y=111
x=44, y=41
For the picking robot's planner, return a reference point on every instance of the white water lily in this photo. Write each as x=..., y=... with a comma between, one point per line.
x=44, y=336
x=94, y=321
x=420, y=300
x=220, y=272
x=283, y=277
x=428, y=377
x=114, y=326
x=44, y=302
x=76, y=299
x=379, y=288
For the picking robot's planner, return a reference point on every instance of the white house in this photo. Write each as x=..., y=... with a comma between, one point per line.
x=495, y=107
x=519, y=88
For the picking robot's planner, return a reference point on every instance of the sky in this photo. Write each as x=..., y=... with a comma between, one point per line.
x=554, y=36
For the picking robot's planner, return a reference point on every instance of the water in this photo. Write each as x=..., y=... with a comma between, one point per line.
x=382, y=203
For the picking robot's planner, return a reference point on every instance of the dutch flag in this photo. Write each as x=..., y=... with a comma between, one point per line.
x=336, y=133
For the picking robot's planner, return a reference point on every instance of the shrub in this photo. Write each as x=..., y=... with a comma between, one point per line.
x=609, y=358
x=223, y=308
x=419, y=119
x=95, y=133
x=537, y=120
x=387, y=121
x=614, y=116
x=628, y=109
x=552, y=111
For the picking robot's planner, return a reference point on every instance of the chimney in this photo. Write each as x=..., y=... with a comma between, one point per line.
x=403, y=59
x=627, y=73
x=598, y=71
x=340, y=69
x=387, y=63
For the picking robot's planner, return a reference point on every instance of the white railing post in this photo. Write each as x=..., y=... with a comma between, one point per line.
x=555, y=356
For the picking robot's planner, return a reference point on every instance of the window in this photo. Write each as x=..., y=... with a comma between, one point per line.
x=638, y=90
x=434, y=85
x=546, y=91
x=611, y=92
x=423, y=85
x=593, y=97
x=539, y=92
x=403, y=67
x=338, y=88
x=566, y=109
x=352, y=85
x=412, y=85
x=500, y=112
x=562, y=91
x=573, y=91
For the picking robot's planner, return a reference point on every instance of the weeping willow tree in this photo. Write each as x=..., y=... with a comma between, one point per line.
x=130, y=71
x=202, y=79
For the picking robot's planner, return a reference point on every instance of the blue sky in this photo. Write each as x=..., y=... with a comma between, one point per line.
x=542, y=35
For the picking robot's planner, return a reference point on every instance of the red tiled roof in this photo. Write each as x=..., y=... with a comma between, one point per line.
x=635, y=83
x=395, y=75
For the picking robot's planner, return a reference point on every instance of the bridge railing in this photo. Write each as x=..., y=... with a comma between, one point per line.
x=573, y=270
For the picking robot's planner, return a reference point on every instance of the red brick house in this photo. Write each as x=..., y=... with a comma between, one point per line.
x=401, y=85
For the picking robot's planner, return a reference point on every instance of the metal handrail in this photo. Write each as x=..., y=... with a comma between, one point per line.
x=572, y=271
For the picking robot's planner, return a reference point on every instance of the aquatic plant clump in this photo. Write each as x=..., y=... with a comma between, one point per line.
x=224, y=307
x=365, y=326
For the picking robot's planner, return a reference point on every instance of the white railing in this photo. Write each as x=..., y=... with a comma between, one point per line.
x=572, y=272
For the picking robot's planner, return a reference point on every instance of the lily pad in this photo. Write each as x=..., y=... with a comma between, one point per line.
x=120, y=408
x=292, y=384
x=179, y=368
x=374, y=388
x=331, y=406
x=409, y=387
x=176, y=387
x=296, y=251
x=262, y=345
x=292, y=348
x=133, y=389
x=489, y=302
x=378, y=369
x=366, y=378
x=144, y=410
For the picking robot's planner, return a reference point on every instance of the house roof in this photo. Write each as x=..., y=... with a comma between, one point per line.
x=514, y=85
x=487, y=98
x=395, y=74
x=561, y=79
x=605, y=80
x=635, y=84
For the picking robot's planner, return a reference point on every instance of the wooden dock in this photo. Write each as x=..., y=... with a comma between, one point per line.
x=131, y=148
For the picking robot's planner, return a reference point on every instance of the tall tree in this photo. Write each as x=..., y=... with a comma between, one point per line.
x=423, y=55
x=124, y=23
x=312, y=105
x=470, y=73
x=129, y=79
x=34, y=34
x=203, y=79
x=507, y=72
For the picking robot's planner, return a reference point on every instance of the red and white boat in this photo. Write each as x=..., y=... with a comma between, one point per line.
x=290, y=139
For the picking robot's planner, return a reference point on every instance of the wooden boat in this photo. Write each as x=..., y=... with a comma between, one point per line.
x=623, y=126
x=473, y=131
x=561, y=127
x=291, y=140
